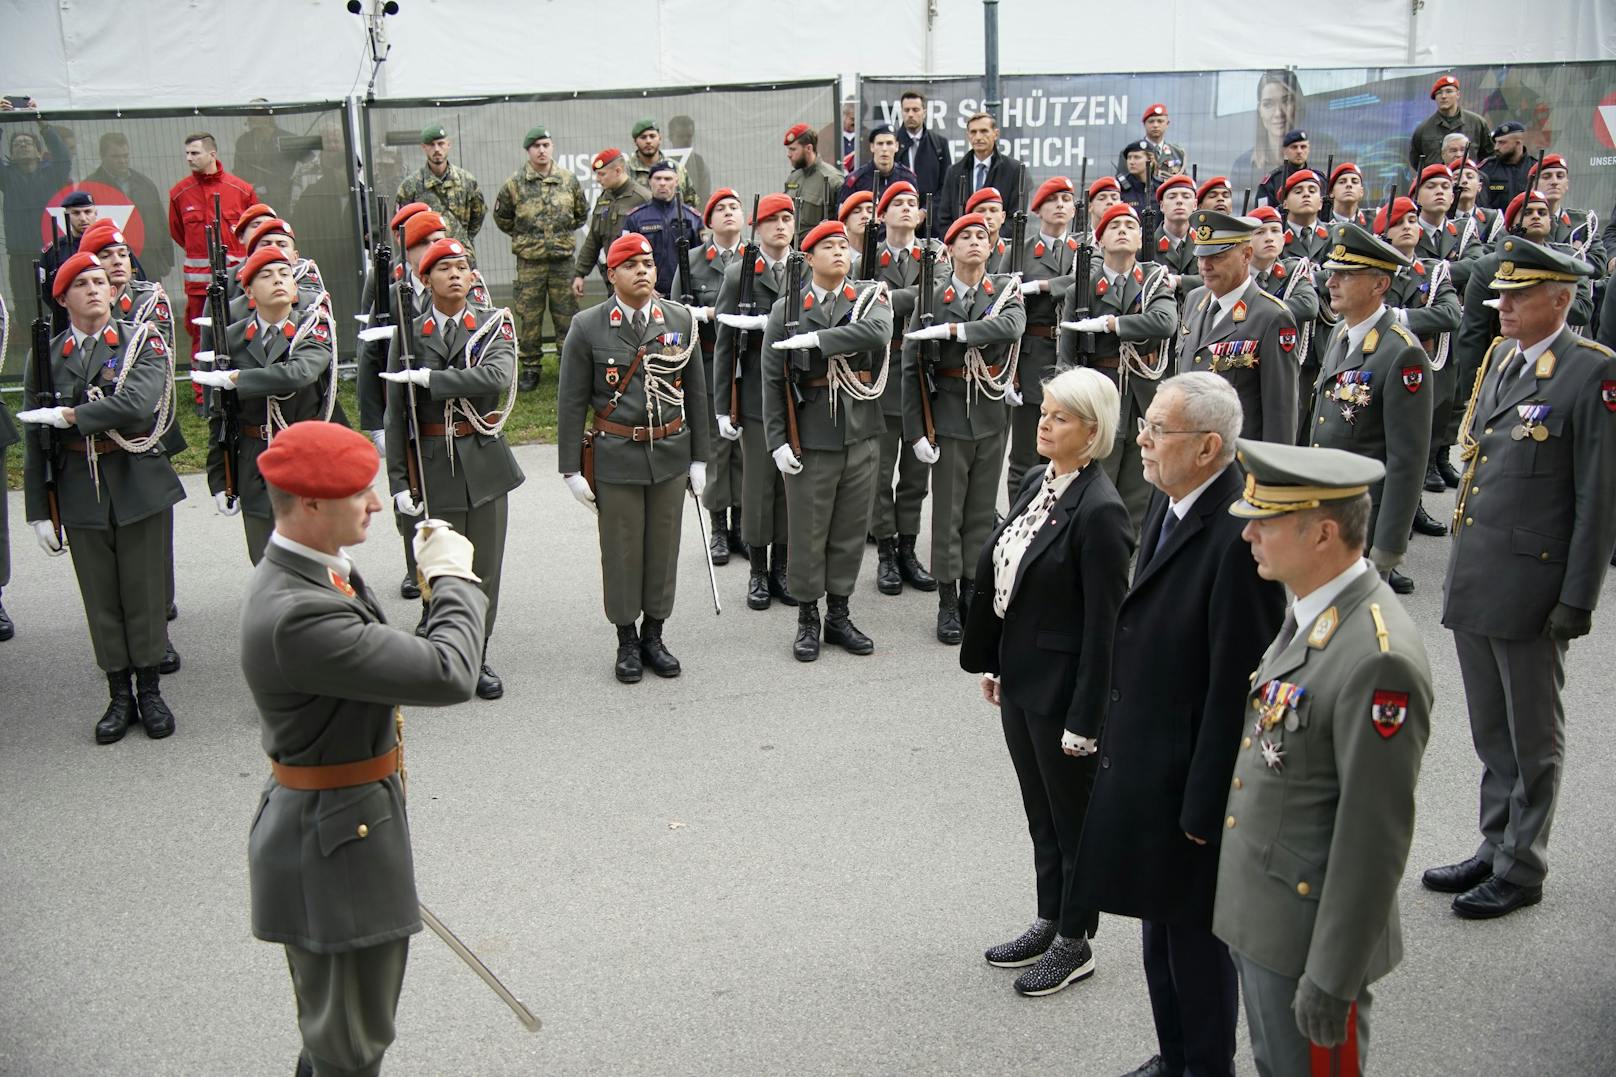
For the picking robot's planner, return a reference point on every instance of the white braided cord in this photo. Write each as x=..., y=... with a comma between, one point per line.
x=839, y=374
x=459, y=405
x=1439, y=276
x=321, y=312
x=1130, y=359
x=163, y=417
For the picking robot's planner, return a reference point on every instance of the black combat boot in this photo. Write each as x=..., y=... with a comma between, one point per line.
x=1426, y=524
x=887, y=580
x=420, y=626
x=777, y=576
x=718, y=542
x=1434, y=483
x=528, y=379
x=967, y=595
x=171, y=658
x=757, y=585
x=173, y=612
x=1400, y=583
x=408, y=588
x=840, y=629
x=948, y=618
x=806, y=647
x=489, y=686
x=733, y=535
x=154, y=713
x=628, y=669
x=909, y=566
x=120, y=711
x=652, y=651
x=1445, y=468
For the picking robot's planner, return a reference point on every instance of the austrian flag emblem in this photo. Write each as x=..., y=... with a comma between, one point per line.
x=1607, y=393
x=1412, y=377
x=1388, y=712
x=1287, y=340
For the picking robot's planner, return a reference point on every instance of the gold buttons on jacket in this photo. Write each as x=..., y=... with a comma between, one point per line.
x=1484, y=459
x=1246, y=743
x=1303, y=889
x=1229, y=823
x=1475, y=489
x=1238, y=784
x=1544, y=556
x=363, y=831
x=1470, y=521
x=1489, y=430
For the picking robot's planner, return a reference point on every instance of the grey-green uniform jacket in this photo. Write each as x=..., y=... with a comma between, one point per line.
x=132, y=487
x=1387, y=418
x=298, y=379
x=483, y=467
x=606, y=223
x=1431, y=312
x=1314, y=847
x=331, y=871
x=595, y=360
x=1280, y=278
x=1148, y=326
x=955, y=411
x=899, y=267
x=766, y=288
x=1254, y=346
x=868, y=339
x=815, y=189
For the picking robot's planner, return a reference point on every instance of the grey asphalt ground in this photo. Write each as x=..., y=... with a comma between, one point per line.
x=761, y=867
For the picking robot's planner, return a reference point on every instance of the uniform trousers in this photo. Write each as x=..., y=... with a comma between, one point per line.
x=1125, y=467
x=194, y=305
x=1055, y=794
x=1306, y=378
x=1277, y=1046
x=541, y=284
x=485, y=527
x=763, y=493
x=120, y=571
x=1445, y=383
x=828, y=514
x=723, y=489
x=5, y=531
x=1194, y=998
x=897, y=510
x=1023, y=442
x=346, y=1003
x=965, y=484
x=639, y=547
x=256, y=529
x=1517, y=723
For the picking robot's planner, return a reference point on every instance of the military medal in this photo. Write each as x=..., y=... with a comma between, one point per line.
x=1531, y=425
x=611, y=375
x=1279, y=702
x=1352, y=391
x=1273, y=755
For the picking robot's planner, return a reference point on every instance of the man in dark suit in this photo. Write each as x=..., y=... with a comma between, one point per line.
x=919, y=147
x=983, y=167
x=1150, y=842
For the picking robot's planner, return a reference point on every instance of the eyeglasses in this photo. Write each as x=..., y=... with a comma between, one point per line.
x=1159, y=431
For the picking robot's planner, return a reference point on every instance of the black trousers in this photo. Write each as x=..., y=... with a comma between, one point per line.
x=1194, y=997
x=1055, y=793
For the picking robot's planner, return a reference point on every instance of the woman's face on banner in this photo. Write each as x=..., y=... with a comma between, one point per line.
x=1277, y=108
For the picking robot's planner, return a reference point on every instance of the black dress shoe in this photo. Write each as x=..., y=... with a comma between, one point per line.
x=1156, y=1067
x=7, y=629
x=1494, y=898
x=654, y=653
x=489, y=686
x=948, y=618
x=171, y=659
x=155, y=716
x=420, y=626
x=1065, y=962
x=1400, y=583
x=1025, y=949
x=718, y=542
x=628, y=667
x=305, y=1068
x=910, y=568
x=408, y=588
x=528, y=379
x=806, y=646
x=120, y=713
x=173, y=612
x=1457, y=878
x=1444, y=467
x=840, y=629
x=1433, y=479
x=1426, y=524
x=757, y=584
x=887, y=580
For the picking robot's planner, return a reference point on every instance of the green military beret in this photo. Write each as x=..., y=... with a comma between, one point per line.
x=1524, y=263
x=1294, y=478
x=1358, y=248
x=533, y=135
x=1216, y=232
x=647, y=124
x=432, y=132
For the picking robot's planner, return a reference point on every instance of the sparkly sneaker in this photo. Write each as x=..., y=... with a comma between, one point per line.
x=1025, y=948
x=1066, y=962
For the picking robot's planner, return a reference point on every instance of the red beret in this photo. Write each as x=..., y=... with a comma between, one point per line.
x=1052, y=185
x=257, y=260
x=1470, y=164
x=423, y=224
x=251, y=214
x=1300, y=176
x=796, y=132
x=1209, y=186
x=273, y=226
x=1550, y=160
x=99, y=236
x=1170, y=182
x=1342, y=169
x=982, y=197
x=1431, y=172
x=605, y=157
x=1401, y=208
x=405, y=212
x=715, y=198
x=1153, y=110
x=69, y=270
x=1518, y=203
x=770, y=204
x=441, y=249
x=823, y=230
x=320, y=460
x=1443, y=83
x=852, y=202
x=1104, y=183
x=1121, y=209
x=1266, y=214
x=963, y=222
x=893, y=191
x=626, y=246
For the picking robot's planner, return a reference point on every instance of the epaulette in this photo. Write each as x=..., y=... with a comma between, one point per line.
x=1584, y=342
x=1274, y=299
x=1381, y=635
x=1408, y=338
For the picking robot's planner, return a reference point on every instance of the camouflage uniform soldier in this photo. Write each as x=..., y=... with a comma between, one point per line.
x=540, y=207
x=448, y=189
x=813, y=181
x=648, y=151
x=619, y=196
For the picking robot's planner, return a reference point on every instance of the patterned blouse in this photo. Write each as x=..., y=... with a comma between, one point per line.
x=1015, y=538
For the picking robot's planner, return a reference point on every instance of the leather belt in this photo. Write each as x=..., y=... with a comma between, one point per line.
x=337, y=775
x=101, y=443
x=864, y=377
x=959, y=371
x=259, y=432
x=1045, y=331
x=638, y=433
x=1105, y=362
x=462, y=429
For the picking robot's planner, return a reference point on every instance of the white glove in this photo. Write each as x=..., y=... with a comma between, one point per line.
x=930, y=332
x=801, y=340
x=926, y=452
x=46, y=417
x=701, y=315
x=378, y=438
x=698, y=477
x=580, y=489
x=377, y=332
x=225, y=505
x=406, y=504
x=1101, y=324
x=744, y=321
x=202, y=319
x=1072, y=744
x=728, y=430
x=418, y=375
x=214, y=379
x=46, y=534
x=786, y=461
x=440, y=550
x=1012, y=397
x=1033, y=287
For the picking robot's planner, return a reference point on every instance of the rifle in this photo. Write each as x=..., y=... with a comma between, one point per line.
x=1149, y=223
x=1391, y=200
x=687, y=294
x=1531, y=176
x=1327, y=202
x=414, y=467
x=1082, y=274
x=1018, y=243
x=45, y=395
x=1245, y=202
x=928, y=348
x=745, y=304
x=218, y=316
x=964, y=194
x=872, y=236
x=795, y=360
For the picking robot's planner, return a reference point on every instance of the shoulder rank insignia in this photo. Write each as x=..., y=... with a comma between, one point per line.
x=110, y=336
x=430, y=327
x=616, y=317
x=712, y=252
x=886, y=258
x=1544, y=368
x=1272, y=298
x=1071, y=243
x=1371, y=342
x=341, y=584
x=948, y=294
x=288, y=330
x=987, y=285
x=849, y=292
x=1239, y=312
x=1038, y=249
x=1388, y=712
x=1407, y=337
x=1279, y=270
x=1323, y=628
x=808, y=300
x=656, y=313
x=1101, y=286
x=1162, y=244
x=1138, y=275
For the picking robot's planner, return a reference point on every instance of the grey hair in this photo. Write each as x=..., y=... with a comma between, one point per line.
x=1351, y=516
x=1210, y=403
x=1454, y=136
x=1092, y=397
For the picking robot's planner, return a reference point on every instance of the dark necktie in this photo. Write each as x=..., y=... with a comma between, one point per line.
x=1169, y=525
x=1507, y=375
x=639, y=323
x=981, y=174
x=1287, y=630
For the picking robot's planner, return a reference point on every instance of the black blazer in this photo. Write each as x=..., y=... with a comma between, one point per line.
x=1052, y=650
x=1193, y=626
x=931, y=158
x=1006, y=174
